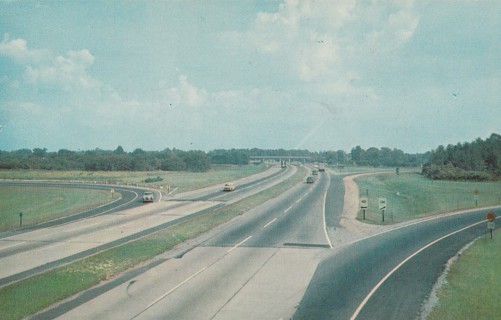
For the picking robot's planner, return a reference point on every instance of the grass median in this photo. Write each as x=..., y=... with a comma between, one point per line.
x=28, y=296
x=472, y=284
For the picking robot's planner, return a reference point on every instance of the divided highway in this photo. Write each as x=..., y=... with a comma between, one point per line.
x=287, y=258
x=29, y=251
x=256, y=267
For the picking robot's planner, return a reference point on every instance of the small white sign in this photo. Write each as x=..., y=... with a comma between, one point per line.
x=491, y=225
x=382, y=203
x=364, y=202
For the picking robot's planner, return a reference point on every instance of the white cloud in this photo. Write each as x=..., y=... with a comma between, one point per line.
x=17, y=50
x=68, y=72
x=391, y=32
x=186, y=94
x=42, y=67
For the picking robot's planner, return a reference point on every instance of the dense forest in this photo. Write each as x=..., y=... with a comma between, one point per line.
x=197, y=161
x=477, y=160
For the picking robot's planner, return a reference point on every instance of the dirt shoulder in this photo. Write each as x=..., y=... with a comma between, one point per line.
x=351, y=208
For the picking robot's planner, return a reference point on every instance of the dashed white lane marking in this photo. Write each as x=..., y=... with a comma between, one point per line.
x=187, y=280
x=176, y=287
x=269, y=223
x=239, y=244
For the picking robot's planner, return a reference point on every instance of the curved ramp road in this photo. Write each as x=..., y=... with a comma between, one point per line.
x=390, y=275
x=130, y=199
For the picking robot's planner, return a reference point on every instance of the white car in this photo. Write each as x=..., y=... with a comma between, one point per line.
x=229, y=186
x=148, y=196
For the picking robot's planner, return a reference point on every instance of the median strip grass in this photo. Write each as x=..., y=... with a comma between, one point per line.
x=472, y=284
x=28, y=296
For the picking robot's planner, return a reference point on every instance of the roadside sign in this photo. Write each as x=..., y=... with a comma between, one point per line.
x=112, y=190
x=382, y=203
x=491, y=225
x=364, y=202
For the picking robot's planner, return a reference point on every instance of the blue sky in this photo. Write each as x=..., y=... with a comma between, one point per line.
x=317, y=75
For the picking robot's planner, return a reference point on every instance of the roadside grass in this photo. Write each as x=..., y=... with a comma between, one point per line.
x=39, y=204
x=471, y=289
x=410, y=195
x=183, y=180
x=28, y=296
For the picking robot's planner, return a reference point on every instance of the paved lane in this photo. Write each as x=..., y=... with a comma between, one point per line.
x=247, y=270
x=344, y=279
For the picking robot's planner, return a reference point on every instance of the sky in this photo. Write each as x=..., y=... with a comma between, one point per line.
x=212, y=74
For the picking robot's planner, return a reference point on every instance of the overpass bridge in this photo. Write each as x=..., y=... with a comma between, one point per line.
x=287, y=158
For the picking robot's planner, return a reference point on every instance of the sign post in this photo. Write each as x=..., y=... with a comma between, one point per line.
x=20, y=219
x=382, y=206
x=364, y=204
x=491, y=225
x=112, y=192
x=475, y=196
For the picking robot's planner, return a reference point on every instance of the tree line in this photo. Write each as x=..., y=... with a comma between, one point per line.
x=197, y=161
x=386, y=157
x=477, y=160
x=105, y=160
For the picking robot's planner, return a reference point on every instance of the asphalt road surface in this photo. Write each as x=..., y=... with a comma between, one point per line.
x=390, y=275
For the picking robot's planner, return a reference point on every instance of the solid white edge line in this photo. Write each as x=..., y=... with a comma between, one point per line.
x=371, y=293
x=323, y=216
x=287, y=210
x=269, y=223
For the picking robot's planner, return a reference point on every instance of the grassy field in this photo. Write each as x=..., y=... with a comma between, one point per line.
x=40, y=204
x=410, y=195
x=28, y=296
x=473, y=284
x=182, y=180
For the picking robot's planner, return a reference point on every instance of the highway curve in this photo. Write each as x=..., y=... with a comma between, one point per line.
x=130, y=198
x=388, y=276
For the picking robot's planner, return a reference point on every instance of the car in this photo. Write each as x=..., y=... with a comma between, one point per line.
x=309, y=179
x=148, y=196
x=314, y=172
x=229, y=186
